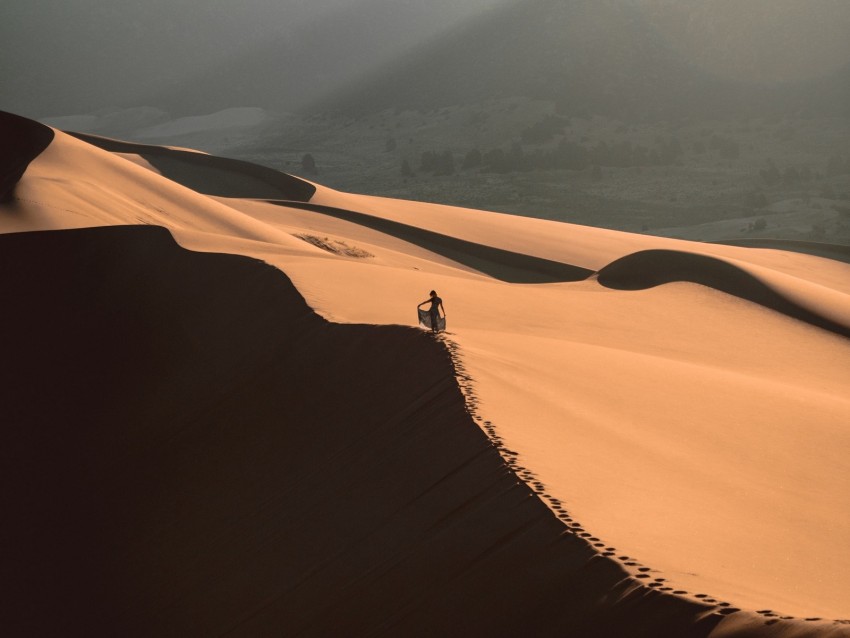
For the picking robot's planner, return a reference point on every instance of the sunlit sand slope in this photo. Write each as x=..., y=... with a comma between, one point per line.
x=681, y=406
x=189, y=450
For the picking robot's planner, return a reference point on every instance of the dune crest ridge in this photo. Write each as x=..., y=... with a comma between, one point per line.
x=650, y=268
x=210, y=174
x=212, y=481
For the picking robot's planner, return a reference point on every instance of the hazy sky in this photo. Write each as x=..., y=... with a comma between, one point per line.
x=66, y=56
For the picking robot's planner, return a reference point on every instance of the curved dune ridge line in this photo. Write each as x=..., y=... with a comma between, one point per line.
x=501, y=264
x=202, y=454
x=209, y=174
x=821, y=249
x=24, y=140
x=651, y=268
x=700, y=439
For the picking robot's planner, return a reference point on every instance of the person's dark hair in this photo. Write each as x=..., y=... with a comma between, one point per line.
x=433, y=293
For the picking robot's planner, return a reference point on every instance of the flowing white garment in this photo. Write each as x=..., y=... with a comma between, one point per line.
x=425, y=321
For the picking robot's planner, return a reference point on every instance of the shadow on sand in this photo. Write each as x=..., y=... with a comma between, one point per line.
x=650, y=268
x=21, y=141
x=187, y=443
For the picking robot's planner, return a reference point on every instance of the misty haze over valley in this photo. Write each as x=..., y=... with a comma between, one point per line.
x=710, y=120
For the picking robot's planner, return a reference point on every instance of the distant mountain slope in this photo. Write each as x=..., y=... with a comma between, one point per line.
x=607, y=56
x=638, y=56
x=763, y=41
x=64, y=57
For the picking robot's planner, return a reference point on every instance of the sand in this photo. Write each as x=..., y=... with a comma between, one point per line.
x=682, y=405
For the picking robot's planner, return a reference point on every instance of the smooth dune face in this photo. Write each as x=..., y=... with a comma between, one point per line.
x=687, y=406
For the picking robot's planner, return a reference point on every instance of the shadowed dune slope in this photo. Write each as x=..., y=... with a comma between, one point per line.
x=187, y=449
x=505, y=265
x=21, y=141
x=650, y=268
x=210, y=174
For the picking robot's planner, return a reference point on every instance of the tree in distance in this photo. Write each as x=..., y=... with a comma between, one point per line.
x=308, y=164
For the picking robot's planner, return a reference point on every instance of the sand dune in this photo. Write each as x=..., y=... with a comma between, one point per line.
x=505, y=265
x=651, y=268
x=681, y=407
x=209, y=174
x=820, y=249
x=261, y=478
x=24, y=140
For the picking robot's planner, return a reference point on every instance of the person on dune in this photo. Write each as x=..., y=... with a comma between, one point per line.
x=436, y=303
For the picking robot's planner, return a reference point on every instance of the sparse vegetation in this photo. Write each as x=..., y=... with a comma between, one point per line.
x=726, y=148
x=437, y=163
x=543, y=130
x=308, y=164
x=838, y=165
x=472, y=159
x=759, y=224
x=755, y=199
x=669, y=176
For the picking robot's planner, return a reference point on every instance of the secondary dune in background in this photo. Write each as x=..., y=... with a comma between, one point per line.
x=698, y=428
x=209, y=174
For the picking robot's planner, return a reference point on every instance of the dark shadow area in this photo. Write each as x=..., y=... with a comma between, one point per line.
x=21, y=141
x=650, y=268
x=515, y=268
x=186, y=448
x=209, y=174
x=818, y=249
